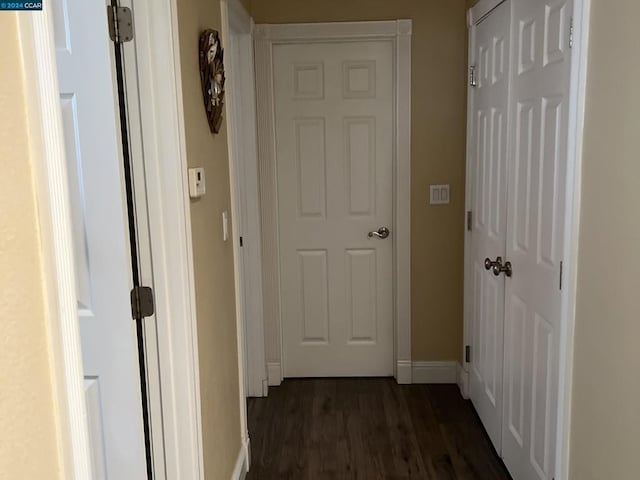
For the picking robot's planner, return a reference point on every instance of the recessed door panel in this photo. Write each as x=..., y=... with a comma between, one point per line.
x=314, y=302
x=311, y=166
x=361, y=295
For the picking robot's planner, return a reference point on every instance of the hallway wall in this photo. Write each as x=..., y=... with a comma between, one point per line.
x=213, y=258
x=606, y=384
x=28, y=412
x=439, y=55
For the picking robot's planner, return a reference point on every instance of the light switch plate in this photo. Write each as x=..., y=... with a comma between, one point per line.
x=197, y=184
x=439, y=194
x=225, y=226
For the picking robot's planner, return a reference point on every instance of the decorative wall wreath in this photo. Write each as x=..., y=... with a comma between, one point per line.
x=212, y=77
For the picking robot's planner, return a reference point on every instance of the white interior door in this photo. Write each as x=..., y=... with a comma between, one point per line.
x=101, y=244
x=334, y=147
x=490, y=55
x=540, y=92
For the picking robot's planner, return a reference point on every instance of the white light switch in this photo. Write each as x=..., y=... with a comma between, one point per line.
x=225, y=226
x=197, y=185
x=439, y=194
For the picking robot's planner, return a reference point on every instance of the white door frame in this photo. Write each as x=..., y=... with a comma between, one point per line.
x=266, y=36
x=577, y=100
x=237, y=32
x=170, y=229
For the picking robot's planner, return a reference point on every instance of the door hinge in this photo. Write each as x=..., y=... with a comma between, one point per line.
x=241, y=241
x=469, y=221
x=472, y=76
x=571, y=33
x=561, y=272
x=141, y=302
x=120, y=24
x=467, y=353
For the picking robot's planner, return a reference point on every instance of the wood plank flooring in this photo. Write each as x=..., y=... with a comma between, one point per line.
x=369, y=429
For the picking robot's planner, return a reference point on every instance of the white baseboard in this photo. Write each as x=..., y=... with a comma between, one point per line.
x=407, y=372
x=434, y=372
x=463, y=381
x=242, y=463
x=403, y=372
x=274, y=373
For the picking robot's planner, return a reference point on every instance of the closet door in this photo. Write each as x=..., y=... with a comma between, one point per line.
x=538, y=156
x=488, y=160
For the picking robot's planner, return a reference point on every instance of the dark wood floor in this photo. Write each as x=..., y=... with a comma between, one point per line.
x=369, y=429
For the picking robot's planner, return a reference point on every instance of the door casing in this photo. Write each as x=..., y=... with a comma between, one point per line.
x=399, y=32
x=169, y=229
x=571, y=227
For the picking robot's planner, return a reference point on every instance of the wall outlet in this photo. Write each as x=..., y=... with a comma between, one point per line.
x=197, y=184
x=439, y=194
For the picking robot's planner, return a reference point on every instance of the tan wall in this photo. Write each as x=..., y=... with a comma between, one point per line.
x=213, y=258
x=437, y=149
x=28, y=445
x=605, y=436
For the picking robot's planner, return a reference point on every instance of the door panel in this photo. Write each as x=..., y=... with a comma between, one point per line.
x=101, y=243
x=334, y=150
x=540, y=87
x=488, y=236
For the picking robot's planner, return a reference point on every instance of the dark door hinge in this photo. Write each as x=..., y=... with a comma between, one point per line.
x=469, y=221
x=561, y=272
x=141, y=302
x=467, y=353
x=120, y=24
x=241, y=241
x=472, y=76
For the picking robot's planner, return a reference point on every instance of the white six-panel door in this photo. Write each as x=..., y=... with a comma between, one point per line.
x=334, y=154
x=488, y=205
x=101, y=249
x=537, y=179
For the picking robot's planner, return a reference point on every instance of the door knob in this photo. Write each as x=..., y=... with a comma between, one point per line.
x=498, y=267
x=383, y=232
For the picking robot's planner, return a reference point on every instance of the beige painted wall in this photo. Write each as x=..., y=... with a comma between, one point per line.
x=438, y=151
x=28, y=440
x=213, y=258
x=605, y=434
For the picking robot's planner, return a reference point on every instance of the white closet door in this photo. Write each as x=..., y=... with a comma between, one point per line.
x=488, y=204
x=334, y=130
x=86, y=73
x=538, y=152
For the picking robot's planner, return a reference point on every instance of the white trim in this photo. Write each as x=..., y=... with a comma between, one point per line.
x=404, y=373
x=54, y=213
x=170, y=229
x=274, y=374
x=242, y=463
x=232, y=12
x=467, y=284
x=237, y=28
x=462, y=379
x=435, y=372
x=266, y=36
x=402, y=197
x=577, y=101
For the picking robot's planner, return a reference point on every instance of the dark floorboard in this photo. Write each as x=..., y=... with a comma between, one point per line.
x=368, y=429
